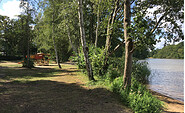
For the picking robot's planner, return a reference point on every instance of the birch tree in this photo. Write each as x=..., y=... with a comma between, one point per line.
x=83, y=41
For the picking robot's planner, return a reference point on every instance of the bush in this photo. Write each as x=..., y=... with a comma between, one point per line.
x=96, y=56
x=140, y=71
x=138, y=98
x=30, y=65
x=117, y=85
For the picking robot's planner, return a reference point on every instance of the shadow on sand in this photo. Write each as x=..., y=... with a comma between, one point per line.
x=55, y=97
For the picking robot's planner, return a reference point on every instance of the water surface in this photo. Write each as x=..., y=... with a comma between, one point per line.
x=167, y=77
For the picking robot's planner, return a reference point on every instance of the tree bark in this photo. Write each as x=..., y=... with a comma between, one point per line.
x=28, y=38
x=110, y=27
x=54, y=43
x=128, y=46
x=109, y=32
x=83, y=42
x=70, y=41
x=98, y=23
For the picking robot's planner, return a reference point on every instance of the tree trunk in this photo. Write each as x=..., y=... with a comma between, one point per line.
x=109, y=32
x=128, y=46
x=91, y=30
x=70, y=41
x=55, y=46
x=110, y=27
x=83, y=41
x=98, y=23
x=28, y=39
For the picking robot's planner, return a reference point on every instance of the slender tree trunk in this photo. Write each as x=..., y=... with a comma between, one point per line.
x=55, y=46
x=83, y=41
x=98, y=23
x=28, y=39
x=109, y=32
x=70, y=41
x=91, y=30
x=110, y=27
x=128, y=46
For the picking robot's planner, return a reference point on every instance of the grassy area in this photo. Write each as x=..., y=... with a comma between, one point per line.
x=48, y=89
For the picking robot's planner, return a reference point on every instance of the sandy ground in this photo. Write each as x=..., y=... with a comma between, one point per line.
x=172, y=105
x=62, y=92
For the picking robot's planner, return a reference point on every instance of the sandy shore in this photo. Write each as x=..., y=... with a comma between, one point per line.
x=171, y=105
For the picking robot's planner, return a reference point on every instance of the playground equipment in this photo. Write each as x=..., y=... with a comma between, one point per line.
x=41, y=59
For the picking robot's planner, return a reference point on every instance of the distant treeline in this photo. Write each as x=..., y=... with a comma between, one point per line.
x=170, y=52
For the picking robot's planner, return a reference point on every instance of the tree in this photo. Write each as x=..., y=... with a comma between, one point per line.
x=128, y=45
x=83, y=42
x=53, y=31
x=143, y=29
x=28, y=12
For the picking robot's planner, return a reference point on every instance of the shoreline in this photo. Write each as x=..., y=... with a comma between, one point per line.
x=171, y=105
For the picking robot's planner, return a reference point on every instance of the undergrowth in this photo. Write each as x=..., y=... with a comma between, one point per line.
x=138, y=98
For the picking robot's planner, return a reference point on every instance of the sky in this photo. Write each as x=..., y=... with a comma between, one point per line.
x=11, y=8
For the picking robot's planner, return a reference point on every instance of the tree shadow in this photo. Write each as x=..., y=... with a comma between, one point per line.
x=7, y=73
x=56, y=97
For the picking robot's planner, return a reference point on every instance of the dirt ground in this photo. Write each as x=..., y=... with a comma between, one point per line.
x=46, y=89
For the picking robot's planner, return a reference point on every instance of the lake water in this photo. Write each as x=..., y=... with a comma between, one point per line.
x=167, y=77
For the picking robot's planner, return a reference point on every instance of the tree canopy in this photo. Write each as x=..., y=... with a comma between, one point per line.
x=170, y=52
x=52, y=26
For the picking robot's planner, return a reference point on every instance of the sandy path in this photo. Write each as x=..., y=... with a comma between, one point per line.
x=63, y=93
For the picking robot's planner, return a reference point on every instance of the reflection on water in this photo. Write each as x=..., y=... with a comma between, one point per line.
x=167, y=77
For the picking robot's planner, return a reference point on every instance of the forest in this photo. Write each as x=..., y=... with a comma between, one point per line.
x=104, y=37
x=170, y=52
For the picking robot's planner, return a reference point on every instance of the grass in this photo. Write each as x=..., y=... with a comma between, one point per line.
x=51, y=90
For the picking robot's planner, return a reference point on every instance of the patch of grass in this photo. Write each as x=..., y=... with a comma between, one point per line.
x=11, y=71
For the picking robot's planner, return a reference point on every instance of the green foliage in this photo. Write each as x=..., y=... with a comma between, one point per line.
x=115, y=69
x=14, y=35
x=141, y=53
x=30, y=65
x=96, y=56
x=140, y=71
x=171, y=52
x=117, y=85
x=138, y=98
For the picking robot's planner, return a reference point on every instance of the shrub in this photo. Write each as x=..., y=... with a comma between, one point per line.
x=140, y=71
x=96, y=56
x=30, y=65
x=117, y=85
x=138, y=98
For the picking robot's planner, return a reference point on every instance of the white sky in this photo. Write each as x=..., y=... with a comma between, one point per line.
x=10, y=8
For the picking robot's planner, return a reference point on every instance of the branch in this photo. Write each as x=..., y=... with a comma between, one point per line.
x=116, y=48
x=156, y=25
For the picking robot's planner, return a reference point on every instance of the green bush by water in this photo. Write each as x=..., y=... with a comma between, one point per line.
x=138, y=98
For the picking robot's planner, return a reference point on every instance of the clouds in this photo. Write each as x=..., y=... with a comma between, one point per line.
x=10, y=8
x=166, y=26
x=160, y=44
